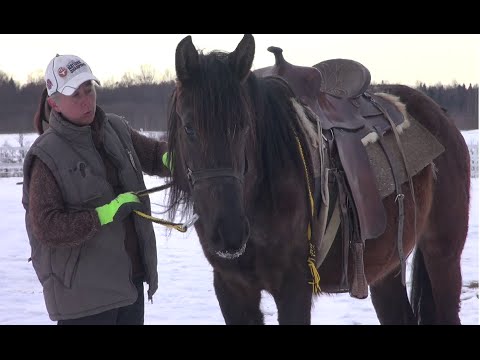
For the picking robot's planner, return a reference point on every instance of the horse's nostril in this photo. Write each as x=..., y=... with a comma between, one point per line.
x=231, y=234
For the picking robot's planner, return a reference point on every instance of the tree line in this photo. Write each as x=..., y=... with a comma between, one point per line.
x=143, y=101
x=460, y=101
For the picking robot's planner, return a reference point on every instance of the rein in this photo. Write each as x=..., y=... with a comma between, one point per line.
x=177, y=226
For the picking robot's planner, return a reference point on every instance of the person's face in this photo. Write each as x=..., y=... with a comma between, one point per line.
x=79, y=108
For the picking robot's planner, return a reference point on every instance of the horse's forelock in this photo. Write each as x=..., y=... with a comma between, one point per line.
x=179, y=201
x=220, y=103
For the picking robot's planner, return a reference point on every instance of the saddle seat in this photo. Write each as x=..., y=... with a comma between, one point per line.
x=343, y=77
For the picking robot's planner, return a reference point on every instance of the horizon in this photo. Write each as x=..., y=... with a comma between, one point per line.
x=409, y=59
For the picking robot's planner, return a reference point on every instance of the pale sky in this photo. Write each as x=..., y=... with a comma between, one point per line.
x=395, y=58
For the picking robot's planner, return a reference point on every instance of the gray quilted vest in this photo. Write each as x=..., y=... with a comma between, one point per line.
x=96, y=276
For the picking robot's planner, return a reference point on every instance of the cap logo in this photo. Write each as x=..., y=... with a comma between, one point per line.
x=75, y=65
x=49, y=84
x=62, y=71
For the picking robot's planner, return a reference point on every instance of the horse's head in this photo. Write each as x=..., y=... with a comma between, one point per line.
x=210, y=134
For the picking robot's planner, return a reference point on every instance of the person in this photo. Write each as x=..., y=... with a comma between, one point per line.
x=90, y=252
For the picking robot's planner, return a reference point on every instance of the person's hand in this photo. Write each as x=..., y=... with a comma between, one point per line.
x=119, y=208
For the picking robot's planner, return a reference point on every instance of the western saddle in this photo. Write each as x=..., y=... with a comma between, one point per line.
x=347, y=115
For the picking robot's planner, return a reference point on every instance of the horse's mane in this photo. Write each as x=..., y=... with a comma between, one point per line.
x=277, y=124
x=271, y=120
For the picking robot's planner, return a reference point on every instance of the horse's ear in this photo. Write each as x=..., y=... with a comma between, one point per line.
x=186, y=59
x=241, y=59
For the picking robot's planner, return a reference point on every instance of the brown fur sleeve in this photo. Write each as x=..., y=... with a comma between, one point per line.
x=150, y=152
x=51, y=223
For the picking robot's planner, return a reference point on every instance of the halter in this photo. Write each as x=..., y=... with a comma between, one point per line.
x=194, y=176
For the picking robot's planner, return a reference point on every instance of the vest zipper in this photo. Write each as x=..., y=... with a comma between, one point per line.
x=140, y=180
x=112, y=157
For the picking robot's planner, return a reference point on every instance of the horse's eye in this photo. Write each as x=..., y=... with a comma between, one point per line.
x=189, y=130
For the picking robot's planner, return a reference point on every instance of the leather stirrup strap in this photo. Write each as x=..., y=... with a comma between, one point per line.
x=399, y=197
x=401, y=212
x=345, y=221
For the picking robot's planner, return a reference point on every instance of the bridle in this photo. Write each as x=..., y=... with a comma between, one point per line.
x=195, y=176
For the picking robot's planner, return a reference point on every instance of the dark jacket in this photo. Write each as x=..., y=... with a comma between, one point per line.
x=69, y=170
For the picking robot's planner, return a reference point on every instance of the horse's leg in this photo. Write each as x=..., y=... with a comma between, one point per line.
x=390, y=300
x=240, y=305
x=294, y=299
x=382, y=265
x=444, y=273
x=422, y=297
x=439, y=301
x=441, y=246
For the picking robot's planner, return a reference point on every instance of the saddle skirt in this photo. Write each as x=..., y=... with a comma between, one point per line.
x=420, y=148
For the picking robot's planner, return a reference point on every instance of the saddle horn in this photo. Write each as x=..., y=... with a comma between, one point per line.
x=278, y=52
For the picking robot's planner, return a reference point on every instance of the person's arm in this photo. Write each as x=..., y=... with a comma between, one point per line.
x=54, y=225
x=150, y=152
x=51, y=223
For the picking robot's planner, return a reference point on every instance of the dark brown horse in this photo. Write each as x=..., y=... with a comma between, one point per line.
x=242, y=163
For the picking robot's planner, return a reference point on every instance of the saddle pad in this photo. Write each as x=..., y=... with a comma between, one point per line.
x=420, y=148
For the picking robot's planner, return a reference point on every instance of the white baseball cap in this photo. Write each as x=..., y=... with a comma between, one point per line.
x=65, y=73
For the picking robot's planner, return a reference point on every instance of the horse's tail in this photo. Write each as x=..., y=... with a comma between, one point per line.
x=421, y=296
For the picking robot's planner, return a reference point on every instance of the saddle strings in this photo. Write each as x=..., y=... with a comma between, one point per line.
x=311, y=261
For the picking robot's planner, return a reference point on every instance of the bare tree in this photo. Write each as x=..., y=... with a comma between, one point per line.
x=168, y=75
x=35, y=77
x=3, y=77
x=127, y=79
x=148, y=75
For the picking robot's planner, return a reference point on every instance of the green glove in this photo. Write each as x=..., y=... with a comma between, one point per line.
x=119, y=208
x=167, y=161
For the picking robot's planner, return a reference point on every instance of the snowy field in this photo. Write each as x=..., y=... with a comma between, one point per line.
x=186, y=294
